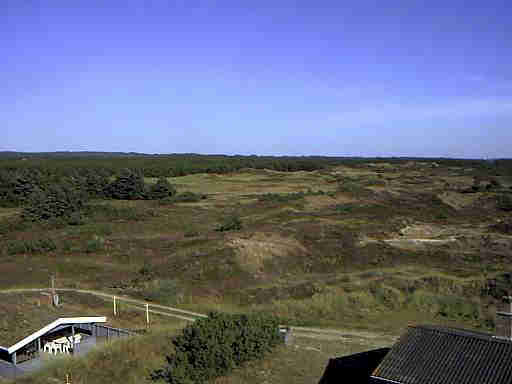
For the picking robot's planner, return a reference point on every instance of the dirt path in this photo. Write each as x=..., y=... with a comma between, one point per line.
x=160, y=309
x=306, y=332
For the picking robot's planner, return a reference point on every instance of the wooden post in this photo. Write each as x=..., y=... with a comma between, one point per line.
x=115, y=309
x=55, y=297
x=147, y=314
x=73, y=338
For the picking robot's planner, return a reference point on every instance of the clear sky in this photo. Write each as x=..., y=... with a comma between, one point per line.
x=331, y=77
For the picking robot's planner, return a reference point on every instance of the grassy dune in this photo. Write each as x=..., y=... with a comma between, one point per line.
x=381, y=247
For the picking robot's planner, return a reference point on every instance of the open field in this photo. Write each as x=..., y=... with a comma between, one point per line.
x=370, y=247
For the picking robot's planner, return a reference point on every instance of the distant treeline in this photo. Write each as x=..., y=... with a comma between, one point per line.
x=161, y=166
x=112, y=163
x=93, y=173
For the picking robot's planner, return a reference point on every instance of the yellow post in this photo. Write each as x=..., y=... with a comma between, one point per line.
x=147, y=314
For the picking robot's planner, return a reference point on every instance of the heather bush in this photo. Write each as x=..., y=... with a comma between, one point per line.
x=230, y=223
x=15, y=247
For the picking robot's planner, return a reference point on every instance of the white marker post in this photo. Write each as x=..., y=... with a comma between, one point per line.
x=115, y=309
x=147, y=314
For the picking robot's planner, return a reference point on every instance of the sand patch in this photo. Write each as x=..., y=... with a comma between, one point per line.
x=252, y=252
x=465, y=239
x=459, y=200
x=422, y=231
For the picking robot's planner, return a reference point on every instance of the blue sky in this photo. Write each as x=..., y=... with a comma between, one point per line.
x=319, y=77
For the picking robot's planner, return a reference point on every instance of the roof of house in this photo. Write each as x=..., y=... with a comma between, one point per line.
x=440, y=355
x=51, y=326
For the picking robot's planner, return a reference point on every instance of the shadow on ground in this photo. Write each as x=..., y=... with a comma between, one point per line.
x=353, y=369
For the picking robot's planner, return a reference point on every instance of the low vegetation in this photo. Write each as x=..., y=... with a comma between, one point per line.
x=230, y=223
x=285, y=197
x=350, y=243
x=14, y=247
x=185, y=197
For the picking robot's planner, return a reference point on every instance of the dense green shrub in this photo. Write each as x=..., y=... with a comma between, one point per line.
x=57, y=201
x=344, y=208
x=230, y=223
x=15, y=247
x=96, y=244
x=96, y=185
x=504, y=202
x=189, y=197
x=128, y=186
x=185, y=197
x=16, y=187
x=212, y=347
x=6, y=187
x=161, y=189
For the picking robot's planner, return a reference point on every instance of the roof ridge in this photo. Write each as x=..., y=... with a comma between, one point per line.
x=461, y=332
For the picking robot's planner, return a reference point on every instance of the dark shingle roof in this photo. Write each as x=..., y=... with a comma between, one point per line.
x=438, y=355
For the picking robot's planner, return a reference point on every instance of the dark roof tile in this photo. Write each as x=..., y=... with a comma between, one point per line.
x=440, y=355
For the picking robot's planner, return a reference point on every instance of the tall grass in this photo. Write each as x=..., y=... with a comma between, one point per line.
x=336, y=305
